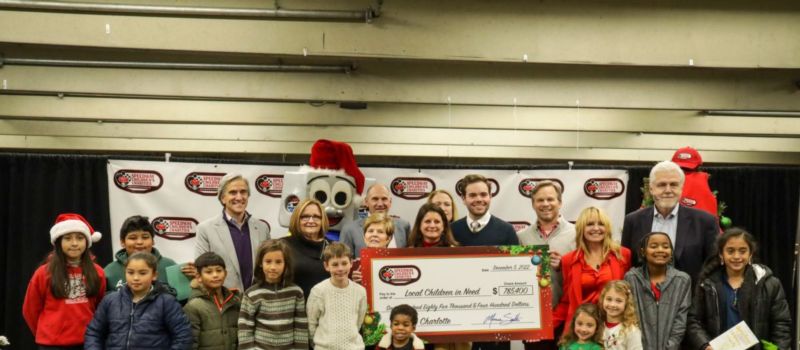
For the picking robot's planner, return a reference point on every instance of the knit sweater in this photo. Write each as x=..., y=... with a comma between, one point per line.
x=615, y=339
x=335, y=316
x=273, y=318
x=496, y=232
x=213, y=319
x=60, y=321
x=561, y=240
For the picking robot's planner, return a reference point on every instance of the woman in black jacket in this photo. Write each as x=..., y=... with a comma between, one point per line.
x=732, y=289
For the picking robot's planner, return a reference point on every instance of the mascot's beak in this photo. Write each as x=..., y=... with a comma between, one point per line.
x=334, y=216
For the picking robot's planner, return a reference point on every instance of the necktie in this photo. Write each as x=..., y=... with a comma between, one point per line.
x=476, y=226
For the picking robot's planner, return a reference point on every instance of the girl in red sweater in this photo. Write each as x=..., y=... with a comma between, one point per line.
x=64, y=292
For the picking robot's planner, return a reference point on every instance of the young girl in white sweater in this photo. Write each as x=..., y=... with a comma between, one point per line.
x=622, y=324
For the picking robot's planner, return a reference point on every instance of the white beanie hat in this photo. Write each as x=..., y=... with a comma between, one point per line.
x=68, y=223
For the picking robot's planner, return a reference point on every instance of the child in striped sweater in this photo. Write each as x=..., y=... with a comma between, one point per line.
x=273, y=314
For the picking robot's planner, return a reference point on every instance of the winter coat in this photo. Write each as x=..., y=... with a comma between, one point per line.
x=115, y=270
x=212, y=328
x=762, y=305
x=155, y=322
x=663, y=322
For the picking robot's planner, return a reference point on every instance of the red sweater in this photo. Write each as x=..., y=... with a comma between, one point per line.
x=55, y=321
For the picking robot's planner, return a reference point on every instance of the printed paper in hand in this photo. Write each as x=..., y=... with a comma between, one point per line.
x=739, y=337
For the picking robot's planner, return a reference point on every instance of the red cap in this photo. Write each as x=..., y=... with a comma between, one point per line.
x=687, y=158
x=329, y=154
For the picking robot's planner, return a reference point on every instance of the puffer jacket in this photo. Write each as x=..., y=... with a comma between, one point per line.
x=663, y=322
x=155, y=322
x=762, y=305
x=115, y=270
x=212, y=328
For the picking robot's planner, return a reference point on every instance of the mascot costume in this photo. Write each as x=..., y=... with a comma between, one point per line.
x=696, y=192
x=333, y=178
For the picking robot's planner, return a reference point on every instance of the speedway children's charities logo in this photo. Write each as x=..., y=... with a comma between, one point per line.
x=205, y=184
x=412, y=187
x=138, y=181
x=604, y=188
x=399, y=275
x=175, y=228
x=526, y=186
x=270, y=185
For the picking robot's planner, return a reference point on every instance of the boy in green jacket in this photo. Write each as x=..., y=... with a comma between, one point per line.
x=212, y=309
x=136, y=235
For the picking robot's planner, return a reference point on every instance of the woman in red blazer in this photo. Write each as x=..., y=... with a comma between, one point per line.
x=596, y=261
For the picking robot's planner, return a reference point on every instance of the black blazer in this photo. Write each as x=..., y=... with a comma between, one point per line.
x=697, y=230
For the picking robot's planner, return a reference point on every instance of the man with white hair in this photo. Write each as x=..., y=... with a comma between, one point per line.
x=378, y=200
x=692, y=231
x=234, y=234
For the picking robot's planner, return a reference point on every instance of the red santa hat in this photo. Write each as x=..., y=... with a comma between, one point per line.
x=335, y=155
x=70, y=222
x=687, y=158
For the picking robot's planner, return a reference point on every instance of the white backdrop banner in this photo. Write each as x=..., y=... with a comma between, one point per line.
x=178, y=196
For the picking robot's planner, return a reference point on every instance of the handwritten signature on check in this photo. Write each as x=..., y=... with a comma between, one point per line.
x=501, y=319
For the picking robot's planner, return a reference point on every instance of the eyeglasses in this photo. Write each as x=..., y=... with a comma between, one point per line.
x=310, y=218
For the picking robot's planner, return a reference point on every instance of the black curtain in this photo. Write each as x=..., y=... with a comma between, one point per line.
x=764, y=201
x=34, y=190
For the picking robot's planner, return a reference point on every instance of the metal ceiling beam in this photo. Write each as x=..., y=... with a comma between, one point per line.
x=185, y=11
x=415, y=82
x=175, y=65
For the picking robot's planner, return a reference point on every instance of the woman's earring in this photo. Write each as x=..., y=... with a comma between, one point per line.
x=721, y=263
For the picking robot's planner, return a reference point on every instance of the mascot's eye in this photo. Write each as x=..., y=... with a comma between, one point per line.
x=319, y=189
x=339, y=198
x=322, y=197
x=342, y=194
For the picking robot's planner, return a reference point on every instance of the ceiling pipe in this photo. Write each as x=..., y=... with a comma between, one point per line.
x=176, y=65
x=184, y=11
x=735, y=113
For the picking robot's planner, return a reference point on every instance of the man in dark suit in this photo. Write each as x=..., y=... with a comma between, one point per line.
x=692, y=231
x=480, y=228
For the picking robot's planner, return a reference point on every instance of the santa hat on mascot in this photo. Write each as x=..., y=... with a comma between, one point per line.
x=335, y=155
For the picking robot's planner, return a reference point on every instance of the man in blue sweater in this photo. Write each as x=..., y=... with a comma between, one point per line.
x=480, y=228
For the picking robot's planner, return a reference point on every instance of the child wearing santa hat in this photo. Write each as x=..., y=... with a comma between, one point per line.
x=65, y=291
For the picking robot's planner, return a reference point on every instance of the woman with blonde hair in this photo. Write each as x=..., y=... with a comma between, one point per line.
x=596, y=261
x=444, y=200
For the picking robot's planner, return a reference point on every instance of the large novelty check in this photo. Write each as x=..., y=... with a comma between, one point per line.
x=464, y=293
